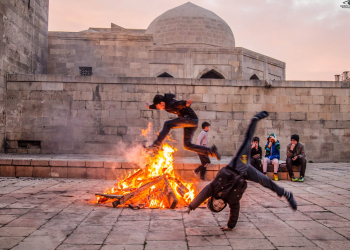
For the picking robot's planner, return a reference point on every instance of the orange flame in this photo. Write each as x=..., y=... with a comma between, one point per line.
x=159, y=165
x=147, y=131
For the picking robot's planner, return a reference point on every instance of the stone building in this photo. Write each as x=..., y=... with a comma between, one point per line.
x=185, y=42
x=23, y=42
x=92, y=98
x=343, y=77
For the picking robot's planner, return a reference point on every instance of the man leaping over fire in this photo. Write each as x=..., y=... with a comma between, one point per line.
x=230, y=183
x=187, y=119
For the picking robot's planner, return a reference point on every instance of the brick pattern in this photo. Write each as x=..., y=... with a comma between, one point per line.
x=94, y=115
x=62, y=214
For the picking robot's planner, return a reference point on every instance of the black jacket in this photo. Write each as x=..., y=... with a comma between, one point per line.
x=256, y=152
x=177, y=107
x=228, y=185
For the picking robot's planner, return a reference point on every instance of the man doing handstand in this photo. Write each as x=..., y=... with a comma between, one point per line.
x=230, y=183
x=187, y=119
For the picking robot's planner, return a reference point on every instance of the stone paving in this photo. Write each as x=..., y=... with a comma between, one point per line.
x=61, y=214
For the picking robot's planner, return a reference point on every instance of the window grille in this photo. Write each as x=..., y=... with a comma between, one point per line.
x=85, y=71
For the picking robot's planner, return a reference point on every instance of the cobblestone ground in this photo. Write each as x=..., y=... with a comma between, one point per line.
x=61, y=214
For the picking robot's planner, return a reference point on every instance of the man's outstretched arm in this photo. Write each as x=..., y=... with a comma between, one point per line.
x=234, y=213
x=200, y=198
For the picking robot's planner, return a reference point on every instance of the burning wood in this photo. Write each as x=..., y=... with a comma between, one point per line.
x=169, y=195
x=181, y=188
x=155, y=186
x=139, y=191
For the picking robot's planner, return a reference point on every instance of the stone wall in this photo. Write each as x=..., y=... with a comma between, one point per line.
x=23, y=43
x=124, y=54
x=92, y=115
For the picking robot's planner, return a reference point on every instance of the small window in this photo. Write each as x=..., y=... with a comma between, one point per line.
x=29, y=144
x=28, y=4
x=212, y=74
x=165, y=74
x=254, y=77
x=85, y=71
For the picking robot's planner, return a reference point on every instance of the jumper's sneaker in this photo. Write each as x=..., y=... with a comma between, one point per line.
x=301, y=179
x=153, y=149
x=197, y=174
x=275, y=177
x=290, y=198
x=214, y=152
x=293, y=179
x=261, y=115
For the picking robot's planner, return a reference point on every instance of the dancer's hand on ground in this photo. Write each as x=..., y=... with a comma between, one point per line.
x=186, y=211
x=226, y=229
x=148, y=104
x=189, y=102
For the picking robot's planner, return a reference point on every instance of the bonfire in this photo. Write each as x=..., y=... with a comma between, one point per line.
x=154, y=186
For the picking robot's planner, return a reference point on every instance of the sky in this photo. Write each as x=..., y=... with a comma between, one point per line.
x=311, y=36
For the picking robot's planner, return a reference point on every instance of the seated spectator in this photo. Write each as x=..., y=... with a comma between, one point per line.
x=296, y=156
x=272, y=154
x=256, y=154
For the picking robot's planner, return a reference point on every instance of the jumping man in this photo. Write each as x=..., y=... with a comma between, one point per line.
x=187, y=119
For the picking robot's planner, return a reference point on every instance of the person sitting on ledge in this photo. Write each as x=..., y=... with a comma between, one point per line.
x=296, y=156
x=256, y=154
x=272, y=155
x=230, y=182
x=187, y=119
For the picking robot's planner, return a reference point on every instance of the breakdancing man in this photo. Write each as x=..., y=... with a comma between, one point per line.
x=187, y=119
x=230, y=183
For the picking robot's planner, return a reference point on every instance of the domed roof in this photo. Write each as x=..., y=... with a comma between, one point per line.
x=190, y=24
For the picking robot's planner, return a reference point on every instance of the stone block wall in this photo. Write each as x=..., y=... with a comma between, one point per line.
x=23, y=43
x=93, y=115
x=126, y=54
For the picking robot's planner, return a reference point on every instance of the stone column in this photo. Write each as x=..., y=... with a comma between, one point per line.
x=337, y=78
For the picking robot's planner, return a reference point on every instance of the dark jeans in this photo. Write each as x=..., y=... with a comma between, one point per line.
x=298, y=162
x=256, y=163
x=241, y=163
x=203, y=167
x=190, y=126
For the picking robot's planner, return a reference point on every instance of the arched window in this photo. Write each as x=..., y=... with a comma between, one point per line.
x=212, y=74
x=165, y=74
x=254, y=77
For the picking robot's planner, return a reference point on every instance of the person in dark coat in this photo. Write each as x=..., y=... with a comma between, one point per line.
x=230, y=183
x=187, y=119
x=296, y=156
x=256, y=154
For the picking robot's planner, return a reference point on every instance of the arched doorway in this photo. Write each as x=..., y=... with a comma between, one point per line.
x=165, y=74
x=254, y=77
x=212, y=74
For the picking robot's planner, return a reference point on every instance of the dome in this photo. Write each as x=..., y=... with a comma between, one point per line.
x=190, y=24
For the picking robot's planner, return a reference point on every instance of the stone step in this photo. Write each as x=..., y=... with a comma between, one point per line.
x=109, y=169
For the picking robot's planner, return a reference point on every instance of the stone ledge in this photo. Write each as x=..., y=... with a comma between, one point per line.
x=109, y=170
x=176, y=81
